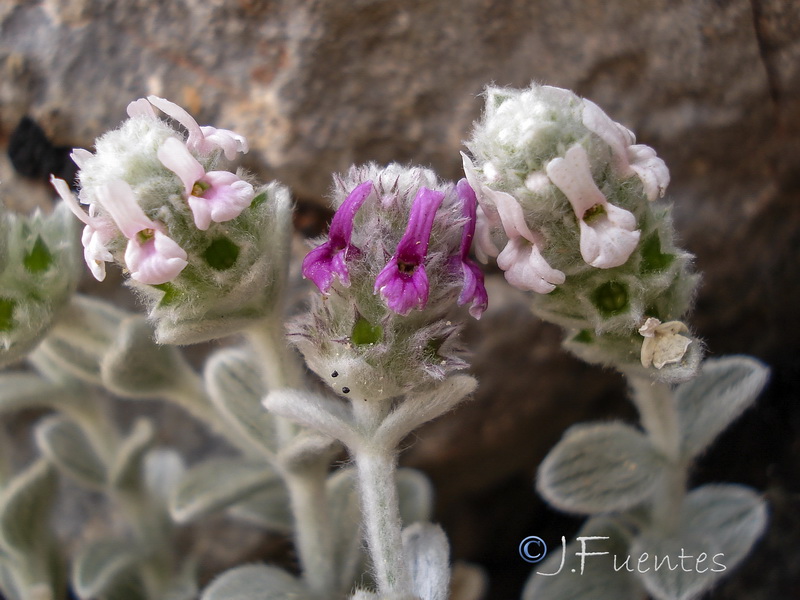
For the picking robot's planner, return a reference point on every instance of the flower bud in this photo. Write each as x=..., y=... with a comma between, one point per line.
x=567, y=206
x=204, y=248
x=38, y=275
x=394, y=264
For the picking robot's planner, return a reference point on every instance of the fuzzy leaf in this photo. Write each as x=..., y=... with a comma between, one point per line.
x=25, y=504
x=345, y=519
x=719, y=524
x=134, y=366
x=163, y=470
x=234, y=382
x=217, y=484
x=66, y=446
x=559, y=576
x=269, y=508
x=126, y=470
x=19, y=391
x=709, y=403
x=256, y=581
x=598, y=468
x=427, y=555
x=415, y=496
x=99, y=564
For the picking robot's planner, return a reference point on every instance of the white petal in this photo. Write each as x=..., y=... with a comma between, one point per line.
x=611, y=132
x=157, y=261
x=141, y=108
x=525, y=267
x=651, y=170
x=573, y=176
x=181, y=116
x=175, y=156
x=69, y=198
x=604, y=245
x=229, y=141
x=79, y=156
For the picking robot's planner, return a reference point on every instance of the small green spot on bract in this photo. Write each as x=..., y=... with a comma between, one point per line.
x=652, y=258
x=170, y=293
x=365, y=332
x=584, y=336
x=611, y=299
x=258, y=200
x=221, y=254
x=39, y=258
x=7, y=314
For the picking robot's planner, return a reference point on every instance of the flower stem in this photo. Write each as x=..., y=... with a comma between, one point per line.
x=659, y=418
x=376, y=466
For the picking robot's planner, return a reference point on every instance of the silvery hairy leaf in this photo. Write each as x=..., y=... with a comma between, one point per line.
x=427, y=555
x=718, y=526
x=600, y=467
x=234, y=382
x=219, y=483
x=100, y=564
x=24, y=506
x=126, y=470
x=256, y=581
x=20, y=391
x=66, y=446
x=135, y=366
x=584, y=569
x=270, y=508
x=709, y=403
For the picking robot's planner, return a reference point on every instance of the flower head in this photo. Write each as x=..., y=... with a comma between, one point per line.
x=403, y=282
x=608, y=235
x=329, y=260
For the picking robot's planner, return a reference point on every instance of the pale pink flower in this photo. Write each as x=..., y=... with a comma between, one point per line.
x=202, y=140
x=97, y=233
x=628, y=158
x=151, y=256
x=521, y=259
x=608, y=235
x=217, y=196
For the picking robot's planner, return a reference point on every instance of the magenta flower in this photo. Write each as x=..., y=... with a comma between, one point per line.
x=608, y=235
x=151, y=256
x=330, y=259
x=217, y=196
x=473, y=290
x=202, y=140
x=97, y=233
x=403, y=282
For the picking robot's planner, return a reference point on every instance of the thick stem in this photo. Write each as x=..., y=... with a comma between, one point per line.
x=659, y=418
x=376, y=466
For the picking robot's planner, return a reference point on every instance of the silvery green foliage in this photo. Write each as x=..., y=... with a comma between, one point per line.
x=428, y=556
x=723, y=389
x=38, y=274
x=102, y=565
x=563, y=576
x=256, y=581
x=30, y=558
x=66, y=446
x=601, y=302
x=717, y=528
x=351, y=338
x=600, y=467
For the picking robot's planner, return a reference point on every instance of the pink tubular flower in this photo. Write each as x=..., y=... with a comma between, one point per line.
x=607, y=231
x=403, y=282
x=473, y=290
x=151, y=256
x=330, y=259
x=521, y=259
x=202, y=140
x=629, y=158
x=97, y=233
x=217, y=196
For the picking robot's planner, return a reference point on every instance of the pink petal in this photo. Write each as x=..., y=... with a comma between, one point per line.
x=141, y=108
x=612, y=133
x=79, y=156
x=158, y=260
x=511, y=216
x=651, y=170
x=605, y=244
x=227, y=197
x=181, y=116
x=228, y=141
x=175, y=156
x=118, y=199
x=481, y=192
x=525, y=267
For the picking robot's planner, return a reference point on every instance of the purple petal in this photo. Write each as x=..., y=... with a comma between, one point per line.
x=403, y=291
x=413, y=246
x=473, y=289
x=330, y=259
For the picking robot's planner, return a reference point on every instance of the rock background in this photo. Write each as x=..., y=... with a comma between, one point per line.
x=713, y=85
